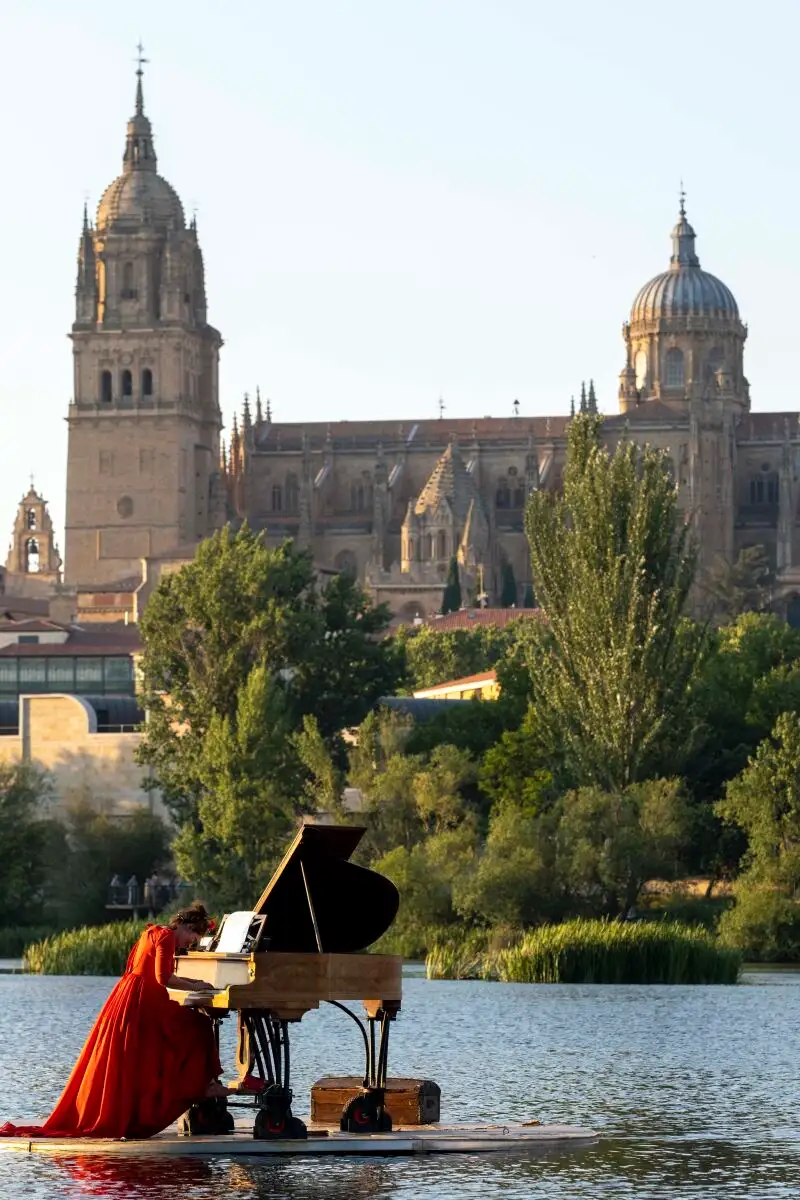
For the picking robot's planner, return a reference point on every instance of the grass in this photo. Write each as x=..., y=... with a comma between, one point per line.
x=91, y=950
x=584, y=951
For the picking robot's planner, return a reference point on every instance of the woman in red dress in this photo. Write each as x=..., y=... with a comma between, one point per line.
x=147, y=1058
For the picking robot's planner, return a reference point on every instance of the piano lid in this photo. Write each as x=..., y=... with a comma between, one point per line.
x=351, y=905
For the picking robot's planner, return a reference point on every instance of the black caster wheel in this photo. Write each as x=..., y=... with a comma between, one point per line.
x=209, y=1118
x=362, y=1115
x=271, y=1124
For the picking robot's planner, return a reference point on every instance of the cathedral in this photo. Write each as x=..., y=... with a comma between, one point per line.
x=392, y=501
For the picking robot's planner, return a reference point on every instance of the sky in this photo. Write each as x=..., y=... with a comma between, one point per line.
x=401, y=201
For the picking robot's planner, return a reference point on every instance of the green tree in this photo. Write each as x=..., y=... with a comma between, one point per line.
x=612, y=566
x=451, y=598
x=97, y=845
x=750, y=676
x=24, y=836
x=611, y=843
x=764, y=801
x=247, y=803
x=237, y=608
x=433, y=655
x=508, y=586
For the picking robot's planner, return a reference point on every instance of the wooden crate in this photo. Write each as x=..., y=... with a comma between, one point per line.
x=408, y=1101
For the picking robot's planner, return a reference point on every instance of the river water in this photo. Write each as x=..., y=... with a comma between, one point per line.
x=692, y=1089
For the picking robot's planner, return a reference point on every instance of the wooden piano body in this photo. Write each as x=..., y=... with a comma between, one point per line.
x=290, y=983
x=320, y=913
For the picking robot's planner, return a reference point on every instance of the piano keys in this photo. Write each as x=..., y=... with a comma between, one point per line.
x=320, y=912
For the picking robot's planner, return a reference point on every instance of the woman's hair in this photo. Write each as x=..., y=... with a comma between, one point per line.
x=195, y=916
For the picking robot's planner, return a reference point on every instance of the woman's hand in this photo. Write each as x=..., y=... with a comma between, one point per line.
x=180, y=983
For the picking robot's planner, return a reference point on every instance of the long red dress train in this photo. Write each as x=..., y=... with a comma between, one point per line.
x=144, y=1063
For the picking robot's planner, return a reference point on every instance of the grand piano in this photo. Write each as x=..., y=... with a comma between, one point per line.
x=302, y=946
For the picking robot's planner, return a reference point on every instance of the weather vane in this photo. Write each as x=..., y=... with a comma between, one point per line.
x=442, y=407
x=140, y=58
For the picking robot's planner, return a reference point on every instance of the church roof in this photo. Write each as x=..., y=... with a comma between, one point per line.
x=449, y=482
x=408, y=435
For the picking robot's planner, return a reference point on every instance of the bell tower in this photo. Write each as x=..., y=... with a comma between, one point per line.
x=144, y=421
x=33, y=566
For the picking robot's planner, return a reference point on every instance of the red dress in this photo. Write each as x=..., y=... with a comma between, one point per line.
x=145, y=1062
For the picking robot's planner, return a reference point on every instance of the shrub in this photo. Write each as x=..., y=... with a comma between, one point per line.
x=96, y=950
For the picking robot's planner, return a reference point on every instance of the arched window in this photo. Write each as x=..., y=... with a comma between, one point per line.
x=431, y=546
x=106, y=387
x=503, y=496
x=441, y=545
x=147, y=382
x=30, y=518
x=32, y=556
x=673, y=368
x=127, y=383
x=640, y=367
x=411, y=549
x=128, y=289
x=277, y=498
x=292, y=494
x=518, y=498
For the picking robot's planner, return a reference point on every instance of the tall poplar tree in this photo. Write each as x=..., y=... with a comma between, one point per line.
x=613, y=563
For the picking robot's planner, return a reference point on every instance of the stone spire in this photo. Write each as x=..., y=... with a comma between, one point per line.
x=591, y=403
x=259, y=411
x=583, y=397
x=683, y=252
x=139, y=153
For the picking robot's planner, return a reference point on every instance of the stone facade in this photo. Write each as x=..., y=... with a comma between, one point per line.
x=142, y=469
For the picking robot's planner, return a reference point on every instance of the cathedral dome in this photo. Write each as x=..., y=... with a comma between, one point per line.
x=139, y=196
x=685, y=289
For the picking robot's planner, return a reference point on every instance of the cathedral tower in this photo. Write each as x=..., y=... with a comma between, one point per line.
x=144, y=422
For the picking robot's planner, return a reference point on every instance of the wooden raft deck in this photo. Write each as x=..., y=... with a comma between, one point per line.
x=419, y=1139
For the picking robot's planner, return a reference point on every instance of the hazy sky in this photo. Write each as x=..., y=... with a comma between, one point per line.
x=398, y=200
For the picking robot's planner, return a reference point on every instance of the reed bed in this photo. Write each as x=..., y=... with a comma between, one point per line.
x=14, y=938
x=587, y=951
x=462, y=959
x=91, y=950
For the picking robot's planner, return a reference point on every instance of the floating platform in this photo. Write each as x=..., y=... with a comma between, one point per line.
x=419, y=1139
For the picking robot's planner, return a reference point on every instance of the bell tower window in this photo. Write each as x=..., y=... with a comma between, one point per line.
x=32, y=556
x=106, y=387
x=30, y=518
x=127, y=383
x=673, y=368
x=147, y=382
x=640, y=367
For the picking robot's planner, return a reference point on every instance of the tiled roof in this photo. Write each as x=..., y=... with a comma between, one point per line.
x=84, y=641
x=396, y=435
x=452, y=684
x=469, y=618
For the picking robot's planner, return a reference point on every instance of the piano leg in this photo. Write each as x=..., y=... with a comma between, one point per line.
x=367, y=1113
x=264, y=1054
